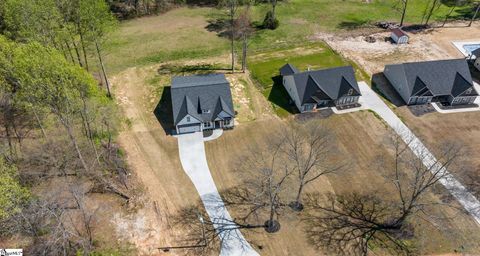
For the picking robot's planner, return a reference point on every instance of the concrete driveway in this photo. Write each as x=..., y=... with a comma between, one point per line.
x=466, y=199
x=194, y=162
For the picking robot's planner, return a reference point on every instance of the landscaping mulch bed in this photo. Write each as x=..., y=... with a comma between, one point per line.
x=320, y=114
x=420, y=110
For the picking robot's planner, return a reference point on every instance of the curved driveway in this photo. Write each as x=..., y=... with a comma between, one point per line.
x=194, y=162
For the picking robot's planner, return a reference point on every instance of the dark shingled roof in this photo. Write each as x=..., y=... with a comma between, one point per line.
x=201, y=96
x=288, y=69
x=398, y=32
x=440, y=77
x=325, y=84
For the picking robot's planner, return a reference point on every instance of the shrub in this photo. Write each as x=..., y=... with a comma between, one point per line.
x=270, y=22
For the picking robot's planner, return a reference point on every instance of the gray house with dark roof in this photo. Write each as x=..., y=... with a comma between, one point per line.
x=201, y=102
x=445, y=81
x=310, y=90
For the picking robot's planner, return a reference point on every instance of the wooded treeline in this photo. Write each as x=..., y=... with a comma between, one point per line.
x=58, y=127
x=126, y=9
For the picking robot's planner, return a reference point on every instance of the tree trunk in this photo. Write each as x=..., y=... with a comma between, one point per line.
x=430, y=12
x=68, y=128
x=38, y=120
x=70, y=51
x=107, y=83
x=82, y=42
x=448, y=15
x=299, y=193
x=274, y=5
x=474, y=16
x=404, y=12
x=77, y=52
x=244, y=54
x=232, y=33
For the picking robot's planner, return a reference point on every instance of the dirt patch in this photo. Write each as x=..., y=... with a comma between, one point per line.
x=153, y=155
x=433, y=44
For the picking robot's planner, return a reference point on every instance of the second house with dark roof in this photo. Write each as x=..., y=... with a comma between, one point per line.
x=444, y=81
x=314, y=89
x=201, y=102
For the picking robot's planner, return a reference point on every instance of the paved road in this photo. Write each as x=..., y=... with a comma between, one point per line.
x=194, y=162
x=466, y=199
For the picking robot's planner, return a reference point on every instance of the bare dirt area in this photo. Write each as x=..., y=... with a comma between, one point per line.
x=362, y=139
x=431, y=44
x=153, y=155
x=459, y=128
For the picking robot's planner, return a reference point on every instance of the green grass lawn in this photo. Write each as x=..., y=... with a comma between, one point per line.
x=182, y=33
x=264, y=69
x=299, y=18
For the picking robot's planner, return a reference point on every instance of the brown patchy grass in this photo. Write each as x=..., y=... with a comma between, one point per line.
x=361, y=139
x=462, y=128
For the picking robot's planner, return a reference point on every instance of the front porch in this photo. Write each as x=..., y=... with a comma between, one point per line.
x=218, y=124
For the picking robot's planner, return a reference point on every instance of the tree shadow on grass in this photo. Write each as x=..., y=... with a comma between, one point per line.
x=353, y=24
x=279, y=96
x=163, y=111
x=221, y=26
x=190, y=69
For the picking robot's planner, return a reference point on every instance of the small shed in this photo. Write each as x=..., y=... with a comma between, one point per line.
x=399, y=36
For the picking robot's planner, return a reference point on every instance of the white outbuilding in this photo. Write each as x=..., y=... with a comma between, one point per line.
x=399, y=36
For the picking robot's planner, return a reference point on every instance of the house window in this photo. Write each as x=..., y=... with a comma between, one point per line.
x=188, y=119
x=207, y=125
x=468, y=91
x=205, y=111
x=226, y=121
x=350, y=92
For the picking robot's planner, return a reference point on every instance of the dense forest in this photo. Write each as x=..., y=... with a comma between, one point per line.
x=60, y=168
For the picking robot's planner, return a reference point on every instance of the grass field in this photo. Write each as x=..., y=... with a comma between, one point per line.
x=182, y=33
x=264, y=69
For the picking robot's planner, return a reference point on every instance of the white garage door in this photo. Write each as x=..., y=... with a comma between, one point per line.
x=188, y=128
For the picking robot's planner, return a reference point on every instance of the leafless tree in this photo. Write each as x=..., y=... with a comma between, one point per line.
x=309, y=147
x=257, y=201
x=350, y=223
x=244, y=29
x=267, y=171
x=232, y=6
